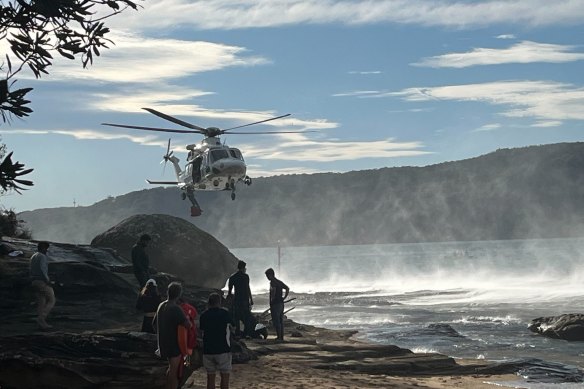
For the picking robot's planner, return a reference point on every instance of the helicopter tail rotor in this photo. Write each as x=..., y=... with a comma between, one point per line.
x=166, y=157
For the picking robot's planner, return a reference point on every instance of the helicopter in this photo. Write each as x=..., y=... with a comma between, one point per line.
x=210, y=165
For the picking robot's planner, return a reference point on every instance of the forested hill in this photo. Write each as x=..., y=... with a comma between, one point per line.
x=529, y=192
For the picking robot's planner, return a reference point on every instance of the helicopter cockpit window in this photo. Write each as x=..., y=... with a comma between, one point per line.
x=235, y=153
x=218, y=154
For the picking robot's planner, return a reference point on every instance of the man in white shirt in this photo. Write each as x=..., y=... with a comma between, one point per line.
x=41, y=284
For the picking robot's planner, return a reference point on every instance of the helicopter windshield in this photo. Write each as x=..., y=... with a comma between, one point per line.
x=218, y=154
x=235, y=153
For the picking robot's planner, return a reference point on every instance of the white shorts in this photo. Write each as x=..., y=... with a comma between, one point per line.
x=214, y=362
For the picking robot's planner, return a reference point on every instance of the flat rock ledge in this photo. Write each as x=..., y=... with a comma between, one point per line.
x=336, y=350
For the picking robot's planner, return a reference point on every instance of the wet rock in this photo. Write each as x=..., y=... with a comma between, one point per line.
x=567, y=326
x=66, y=360
x=441, y=329
x=95, y=342
x=177, y=247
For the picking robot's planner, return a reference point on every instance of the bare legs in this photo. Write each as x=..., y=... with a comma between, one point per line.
x=172, y=372
x=211, y=380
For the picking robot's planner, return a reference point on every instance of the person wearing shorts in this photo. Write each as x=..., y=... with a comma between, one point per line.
x=166, y=321
x=216, y=324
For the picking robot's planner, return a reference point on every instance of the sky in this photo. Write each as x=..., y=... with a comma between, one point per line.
x=383, y=83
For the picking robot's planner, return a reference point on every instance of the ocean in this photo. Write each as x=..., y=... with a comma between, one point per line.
x=462, y=299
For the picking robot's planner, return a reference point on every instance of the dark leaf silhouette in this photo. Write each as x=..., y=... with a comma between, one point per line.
x=37, y=30
x=10, y=173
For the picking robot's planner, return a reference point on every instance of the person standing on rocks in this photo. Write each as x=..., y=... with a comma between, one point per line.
x=140, y=260
x=148, y=302
x=277, y=302
x=41, y=284
x=166, y=321
x=242, y=300
x=216, y=323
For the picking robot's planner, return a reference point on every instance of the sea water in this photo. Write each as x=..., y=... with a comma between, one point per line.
x=486, y=291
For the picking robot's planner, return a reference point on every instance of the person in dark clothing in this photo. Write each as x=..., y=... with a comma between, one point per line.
x=277, y=302
x=166, y=321
x=242, y=300
x=215, y=324
x=148, y=301
x=140, y=260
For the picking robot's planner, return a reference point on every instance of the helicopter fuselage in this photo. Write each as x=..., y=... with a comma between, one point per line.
x=211, y=166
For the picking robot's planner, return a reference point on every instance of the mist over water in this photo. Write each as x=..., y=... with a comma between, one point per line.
x=487, y=292
x=502, y=271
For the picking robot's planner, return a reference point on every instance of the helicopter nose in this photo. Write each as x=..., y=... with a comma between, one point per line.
x=234, y=167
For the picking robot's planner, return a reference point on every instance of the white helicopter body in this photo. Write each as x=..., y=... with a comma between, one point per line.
x=210, y=165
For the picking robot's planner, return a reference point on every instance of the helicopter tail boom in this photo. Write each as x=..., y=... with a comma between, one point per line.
x=162, y=182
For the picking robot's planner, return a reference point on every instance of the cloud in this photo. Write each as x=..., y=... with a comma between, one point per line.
x=361, y=93
x=305, y=149
x=505, y=36
x=90, y=134
x=365, y=72
x=549, y=123
x=487, y=127
x=135, y=59
x=523, y=52
x=543, y=101
x=238, y=14
x=166, y=102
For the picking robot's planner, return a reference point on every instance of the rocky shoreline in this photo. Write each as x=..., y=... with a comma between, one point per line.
x=96, y=343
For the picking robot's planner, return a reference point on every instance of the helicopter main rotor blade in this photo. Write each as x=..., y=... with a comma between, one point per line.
x=173, y=119
x=151, y=128
x=251, y=124
x=273, y=132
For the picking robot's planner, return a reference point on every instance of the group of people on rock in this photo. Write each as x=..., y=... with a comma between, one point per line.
x=174, y=320
x=168, y=318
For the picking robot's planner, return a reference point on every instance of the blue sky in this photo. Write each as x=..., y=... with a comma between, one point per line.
x=385, y=83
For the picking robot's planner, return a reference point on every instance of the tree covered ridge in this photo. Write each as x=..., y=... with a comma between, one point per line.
x=530, y=192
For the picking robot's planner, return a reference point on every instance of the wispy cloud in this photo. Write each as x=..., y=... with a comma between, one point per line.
x=523, y=52
x=360, y=93
x=366, y=72
x=90, y=134
x=169, y=103
x=505, y=36
x=487, y=127
x=326, y=151
x=237, y=14
x=544, y=101
x=548, y=123
x=135, y=59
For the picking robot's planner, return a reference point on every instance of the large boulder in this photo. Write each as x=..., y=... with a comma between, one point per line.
x=177, y=247
x=567, y=326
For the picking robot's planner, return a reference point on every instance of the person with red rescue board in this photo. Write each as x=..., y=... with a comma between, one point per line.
x=187, y=337
x=168, y=318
